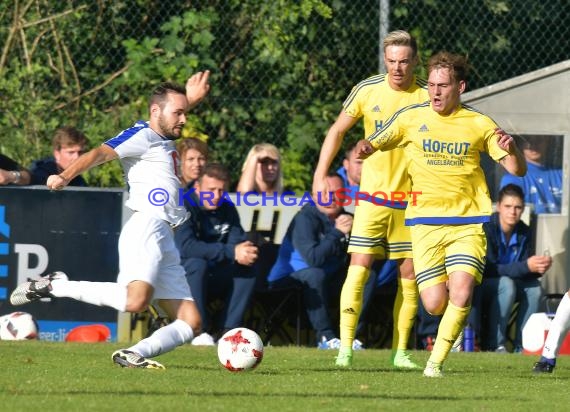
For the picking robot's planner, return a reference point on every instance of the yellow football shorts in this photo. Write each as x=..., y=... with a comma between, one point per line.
x=443, y=249
x=380, y=231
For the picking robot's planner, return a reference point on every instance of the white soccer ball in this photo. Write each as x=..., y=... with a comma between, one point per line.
x=240, y=349
x=18, y=326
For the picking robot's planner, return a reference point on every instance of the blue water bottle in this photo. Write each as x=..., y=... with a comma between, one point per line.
x=468, y=339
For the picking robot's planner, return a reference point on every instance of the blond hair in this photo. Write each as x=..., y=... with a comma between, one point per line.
x=401, y=38
x=271, y=151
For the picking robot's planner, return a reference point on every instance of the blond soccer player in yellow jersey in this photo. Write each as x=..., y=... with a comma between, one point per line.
x=442, y=140
x=378, y=231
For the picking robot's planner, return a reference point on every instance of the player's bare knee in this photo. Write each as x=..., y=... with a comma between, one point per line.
x=435, y=308
x=460, y=298
x=137, y=305
x=360, y=259
x=139, y=295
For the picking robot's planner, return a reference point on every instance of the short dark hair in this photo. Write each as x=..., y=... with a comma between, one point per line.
x=334, y=174
x=349, y=150
x=160, y=93
x=510, y=190
x=217, y=171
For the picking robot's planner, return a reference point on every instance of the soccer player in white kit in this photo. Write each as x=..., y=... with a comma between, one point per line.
x=149, y=262
x=557, y=333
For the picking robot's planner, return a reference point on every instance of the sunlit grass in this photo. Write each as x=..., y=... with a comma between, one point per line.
x=77, y=377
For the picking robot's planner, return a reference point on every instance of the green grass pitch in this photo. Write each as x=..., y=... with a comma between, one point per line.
x=81, y=377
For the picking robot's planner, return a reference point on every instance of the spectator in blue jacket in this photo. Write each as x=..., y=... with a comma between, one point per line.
x=68, y=144
x=542, y=185
x=313, y=253
x=512, y=272
x=215, y=253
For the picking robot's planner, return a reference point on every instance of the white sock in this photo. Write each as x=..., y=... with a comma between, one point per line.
x=558, y=328
x=164, y=339
x=95, y=293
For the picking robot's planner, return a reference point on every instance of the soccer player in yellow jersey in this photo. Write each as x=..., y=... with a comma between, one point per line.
x=378, y=231
x=442, y=140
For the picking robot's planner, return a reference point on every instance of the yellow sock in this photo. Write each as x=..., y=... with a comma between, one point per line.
x=405, y=310
x=450, y=327
x=351, y=302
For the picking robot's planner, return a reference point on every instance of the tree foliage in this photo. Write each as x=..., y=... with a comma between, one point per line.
x=280, y=69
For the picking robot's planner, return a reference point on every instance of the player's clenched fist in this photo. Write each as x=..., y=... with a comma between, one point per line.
x=56, y=182
x=363, y=149
x=343, y=223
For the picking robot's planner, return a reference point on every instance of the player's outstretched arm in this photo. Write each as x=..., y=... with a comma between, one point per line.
x=514, y=162
x=83, y=163
x=197, y=87
x=329, y=150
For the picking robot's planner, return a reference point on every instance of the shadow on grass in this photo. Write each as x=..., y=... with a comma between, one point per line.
x=269, y=395
x=272, y=370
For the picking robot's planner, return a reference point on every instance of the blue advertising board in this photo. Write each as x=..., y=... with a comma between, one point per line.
x=75, y=231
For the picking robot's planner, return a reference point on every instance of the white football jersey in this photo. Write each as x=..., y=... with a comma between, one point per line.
x=150, y=163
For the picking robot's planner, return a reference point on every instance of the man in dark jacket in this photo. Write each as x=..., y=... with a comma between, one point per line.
x=512, y=271
x=68, y=144
x=313, y=253
x=215, y=253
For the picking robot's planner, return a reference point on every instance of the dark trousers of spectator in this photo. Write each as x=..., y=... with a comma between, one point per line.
x=316, y=291
x=231, y=282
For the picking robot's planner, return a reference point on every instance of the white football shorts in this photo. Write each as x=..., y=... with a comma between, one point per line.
x=147, y=252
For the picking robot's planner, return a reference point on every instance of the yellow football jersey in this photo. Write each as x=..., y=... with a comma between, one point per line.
x=375, y=101
x=443, y=160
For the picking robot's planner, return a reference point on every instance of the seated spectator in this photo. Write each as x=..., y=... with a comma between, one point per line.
x=68, y=144
x=193, y=157
x=215, y=254
x=512, y=271
x=313, y=254
x=542, y=185
x=261, y=171
x=351, y=171
x=11, y=173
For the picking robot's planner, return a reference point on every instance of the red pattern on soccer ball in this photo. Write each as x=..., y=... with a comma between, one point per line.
x=240, y=349
x=235, y=340
x=258, y=357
